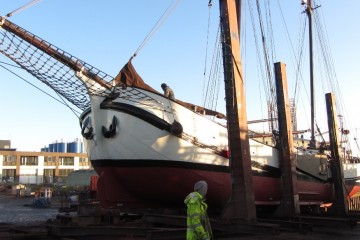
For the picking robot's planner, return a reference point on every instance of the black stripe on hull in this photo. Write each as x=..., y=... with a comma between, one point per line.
x=261, y=170
x=353, y=181
x=265, y=170
x=137, y=112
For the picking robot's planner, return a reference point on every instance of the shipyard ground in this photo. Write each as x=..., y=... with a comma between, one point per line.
x=19, y=221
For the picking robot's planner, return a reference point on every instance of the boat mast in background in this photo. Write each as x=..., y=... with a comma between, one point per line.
x=309, y=9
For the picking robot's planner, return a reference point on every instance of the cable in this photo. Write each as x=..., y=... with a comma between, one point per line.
x=22, y=8
x=157, y=25
x=207, y=46
x=64, y=103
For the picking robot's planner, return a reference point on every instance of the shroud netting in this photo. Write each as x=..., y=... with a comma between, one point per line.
x=57, y=68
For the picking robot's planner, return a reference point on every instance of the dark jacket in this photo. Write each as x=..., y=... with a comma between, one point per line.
x=168, y=92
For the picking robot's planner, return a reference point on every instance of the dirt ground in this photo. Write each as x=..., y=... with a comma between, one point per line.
x=16, y=210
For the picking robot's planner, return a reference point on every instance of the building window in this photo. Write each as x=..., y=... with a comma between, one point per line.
x=49, y=172
x=8, y=174
x=83, y=161
x=63, y=173
x=49, y=175
x=66, y=161
x=29, y=161
x=49, y=161
x=9, y=160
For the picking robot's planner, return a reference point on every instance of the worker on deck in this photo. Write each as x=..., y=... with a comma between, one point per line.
x=198, y=223
x=168, y=92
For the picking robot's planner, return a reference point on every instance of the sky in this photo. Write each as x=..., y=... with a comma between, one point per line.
x=107, y=33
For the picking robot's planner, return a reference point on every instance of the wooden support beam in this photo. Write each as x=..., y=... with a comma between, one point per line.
x=289, y=205
x=340, y=205
x=242, y=202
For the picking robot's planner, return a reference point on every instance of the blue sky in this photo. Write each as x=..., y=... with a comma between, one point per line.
x=106, y=33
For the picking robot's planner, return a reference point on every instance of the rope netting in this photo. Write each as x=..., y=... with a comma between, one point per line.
x=59, y=69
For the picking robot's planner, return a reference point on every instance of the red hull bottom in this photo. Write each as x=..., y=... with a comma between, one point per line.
x=149, y=187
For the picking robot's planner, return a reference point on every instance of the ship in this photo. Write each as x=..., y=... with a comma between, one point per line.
x=149, y=150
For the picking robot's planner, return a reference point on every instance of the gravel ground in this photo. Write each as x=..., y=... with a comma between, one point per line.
x=13, y=210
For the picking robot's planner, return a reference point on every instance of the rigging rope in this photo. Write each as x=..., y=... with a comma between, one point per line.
x=272, y=99
x=265, y=71
x=326, y=63
x=299, y=78
x=355, y=139
x=22, y=8
x=206, y=47
x=260, y=63
x=77, y=114
x=215, y=76
x=212, y=82
x=212, y=88
x=60, y=77
x=157, y=25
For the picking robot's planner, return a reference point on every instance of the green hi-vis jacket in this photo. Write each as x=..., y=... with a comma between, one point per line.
x=198, y=224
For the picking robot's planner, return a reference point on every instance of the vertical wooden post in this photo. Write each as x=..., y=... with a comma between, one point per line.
x=289, y=205
x=18, y=163
x=340, y=205
x=57, y=159
x=242, y=201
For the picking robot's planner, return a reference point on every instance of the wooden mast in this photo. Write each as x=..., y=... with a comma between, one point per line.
x=242, y=201
x=309, y=11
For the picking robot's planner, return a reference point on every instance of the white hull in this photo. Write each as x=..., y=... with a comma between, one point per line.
x=135, y=138
x=143, y=153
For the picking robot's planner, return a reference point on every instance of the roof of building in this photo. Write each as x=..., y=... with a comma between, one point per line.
x=5, y=144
